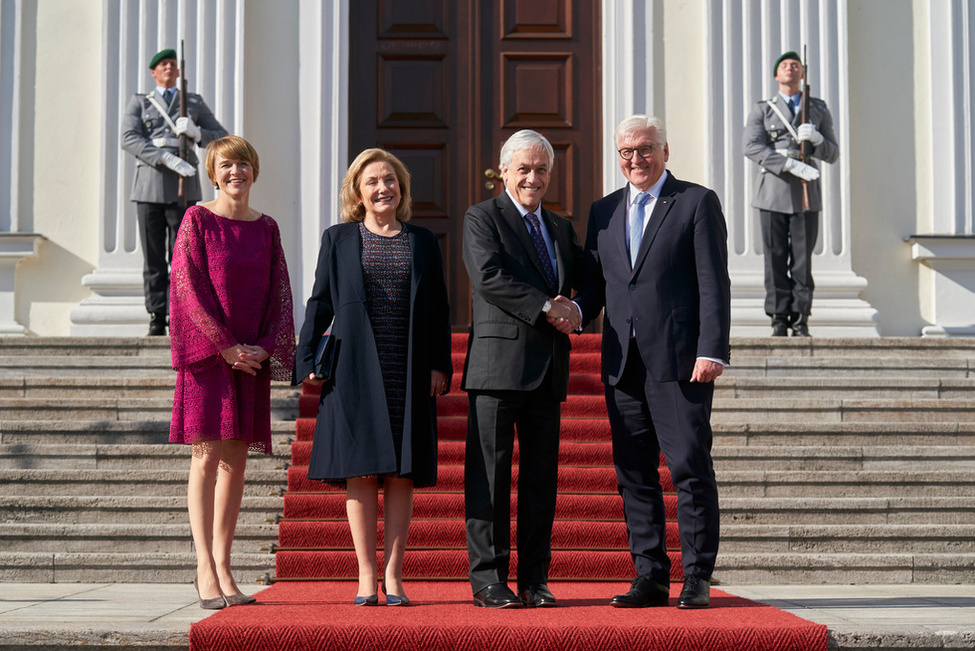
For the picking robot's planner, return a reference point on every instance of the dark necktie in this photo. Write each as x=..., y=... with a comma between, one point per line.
x=792, y=106
x=539, y=242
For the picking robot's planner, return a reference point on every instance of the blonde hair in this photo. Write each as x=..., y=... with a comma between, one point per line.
x=352, y=208
x=231, y=148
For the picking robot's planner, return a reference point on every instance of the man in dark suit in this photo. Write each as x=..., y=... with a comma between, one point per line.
x=151, y=127
x=519, y=257
x=657, y=259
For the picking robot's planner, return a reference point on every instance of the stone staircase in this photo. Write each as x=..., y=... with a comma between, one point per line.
x=90, y=488
x=838, y=461
x=847, y=461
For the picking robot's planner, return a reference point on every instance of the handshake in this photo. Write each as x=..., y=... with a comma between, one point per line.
x=564, y=315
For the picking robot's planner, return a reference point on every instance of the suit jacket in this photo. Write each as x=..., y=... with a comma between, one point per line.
x=677, y=298
x=353, y=436
x=778, y=190
x=142, y=124
x=511, y=344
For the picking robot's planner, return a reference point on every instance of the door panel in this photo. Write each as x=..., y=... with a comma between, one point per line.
x=441, y=84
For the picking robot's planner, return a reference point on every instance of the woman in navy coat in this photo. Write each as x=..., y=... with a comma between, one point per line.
x=382, y=281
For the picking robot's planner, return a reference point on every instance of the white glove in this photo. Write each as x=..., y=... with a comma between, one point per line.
x=800, y=169
x=177, y=164
x=808, y=132
x=187, y=126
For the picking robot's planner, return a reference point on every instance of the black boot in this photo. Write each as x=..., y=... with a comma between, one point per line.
x=157, y=325
x=780, y=325
x=800, y=328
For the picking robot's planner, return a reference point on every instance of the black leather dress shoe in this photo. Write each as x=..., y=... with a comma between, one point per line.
x=537, y=595
x=157, y=325
x=696, y=593
x=780, y=326
x=644, y=592
x=497, y=595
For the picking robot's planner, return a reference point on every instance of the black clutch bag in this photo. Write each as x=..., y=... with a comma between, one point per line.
x=325, y=357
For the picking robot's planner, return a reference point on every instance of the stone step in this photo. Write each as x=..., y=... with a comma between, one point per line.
x=854, y=365
x=871, y=434
x=127, y=509
x=845, y=458
x=754, y=410
x=124, y=538
x=730, y=385
x=732, y=568
x=120, y=432
x=71, y=347
x=860, y=510
x=72, y=408
x=108, y=387
x=733, y=483
x=119, y=483
x=109, y=456
x=735, y=538
x=727, y=457
x=848, y=539
x=108, y=567
x=839, y=568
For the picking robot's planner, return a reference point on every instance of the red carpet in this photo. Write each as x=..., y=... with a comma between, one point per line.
x=319, y=615
x=309, y=605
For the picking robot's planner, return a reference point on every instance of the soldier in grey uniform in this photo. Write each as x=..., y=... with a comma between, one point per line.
x=771, y=139
x=151, y=127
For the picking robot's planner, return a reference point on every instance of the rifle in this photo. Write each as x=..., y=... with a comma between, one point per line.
x=805, y=147
x=184, y=141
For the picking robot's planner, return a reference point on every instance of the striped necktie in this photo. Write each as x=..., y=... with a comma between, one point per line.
x=536, y=234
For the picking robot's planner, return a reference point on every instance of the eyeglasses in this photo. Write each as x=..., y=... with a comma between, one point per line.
x=645, y=152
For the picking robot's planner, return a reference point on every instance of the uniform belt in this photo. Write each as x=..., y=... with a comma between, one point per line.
x=165, y=142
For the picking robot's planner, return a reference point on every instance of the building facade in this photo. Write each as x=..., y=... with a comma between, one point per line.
x=311, y=82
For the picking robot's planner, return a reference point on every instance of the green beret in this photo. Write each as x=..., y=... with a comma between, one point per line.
x=166, y=54
x=775, y=68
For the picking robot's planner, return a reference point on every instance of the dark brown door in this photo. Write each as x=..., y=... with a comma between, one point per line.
x=442, y=83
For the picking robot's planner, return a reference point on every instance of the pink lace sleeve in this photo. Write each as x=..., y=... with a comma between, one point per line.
x=195, y=327
x=277, y=325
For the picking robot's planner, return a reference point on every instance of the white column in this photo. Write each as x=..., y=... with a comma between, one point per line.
x=630, y=30
x=323, y=41
x=743, y=39
x=132, y=32
x=948, y=253
x=18, y=37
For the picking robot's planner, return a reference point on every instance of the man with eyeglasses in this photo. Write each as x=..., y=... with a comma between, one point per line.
x=657, y=260
x=772, y=138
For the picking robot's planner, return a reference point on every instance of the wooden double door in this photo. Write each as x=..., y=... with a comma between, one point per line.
x=442, y=84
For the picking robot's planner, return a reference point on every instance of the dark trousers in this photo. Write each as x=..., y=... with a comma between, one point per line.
x=491, y=422
x=788, y=242
x=158, y=225
x=645, y=417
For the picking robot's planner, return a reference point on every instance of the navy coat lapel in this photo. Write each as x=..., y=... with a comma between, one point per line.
x=349, y=251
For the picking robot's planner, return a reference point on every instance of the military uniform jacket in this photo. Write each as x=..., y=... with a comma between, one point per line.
x=146, y=134
x=778, y=190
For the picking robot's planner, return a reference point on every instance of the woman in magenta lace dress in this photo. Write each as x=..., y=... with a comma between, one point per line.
x=232, y=332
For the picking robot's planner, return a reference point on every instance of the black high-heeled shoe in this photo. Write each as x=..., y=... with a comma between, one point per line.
x=239, y=599
x=210, y=604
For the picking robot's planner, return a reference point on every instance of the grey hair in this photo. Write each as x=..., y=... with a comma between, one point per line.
x=639, y=122
x=526, y=139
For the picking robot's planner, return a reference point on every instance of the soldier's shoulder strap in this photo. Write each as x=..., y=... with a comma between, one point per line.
x=162, y=110
x=788, y=124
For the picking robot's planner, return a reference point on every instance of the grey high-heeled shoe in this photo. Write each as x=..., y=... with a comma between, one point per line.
x=210, y=604
x=239, y=599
